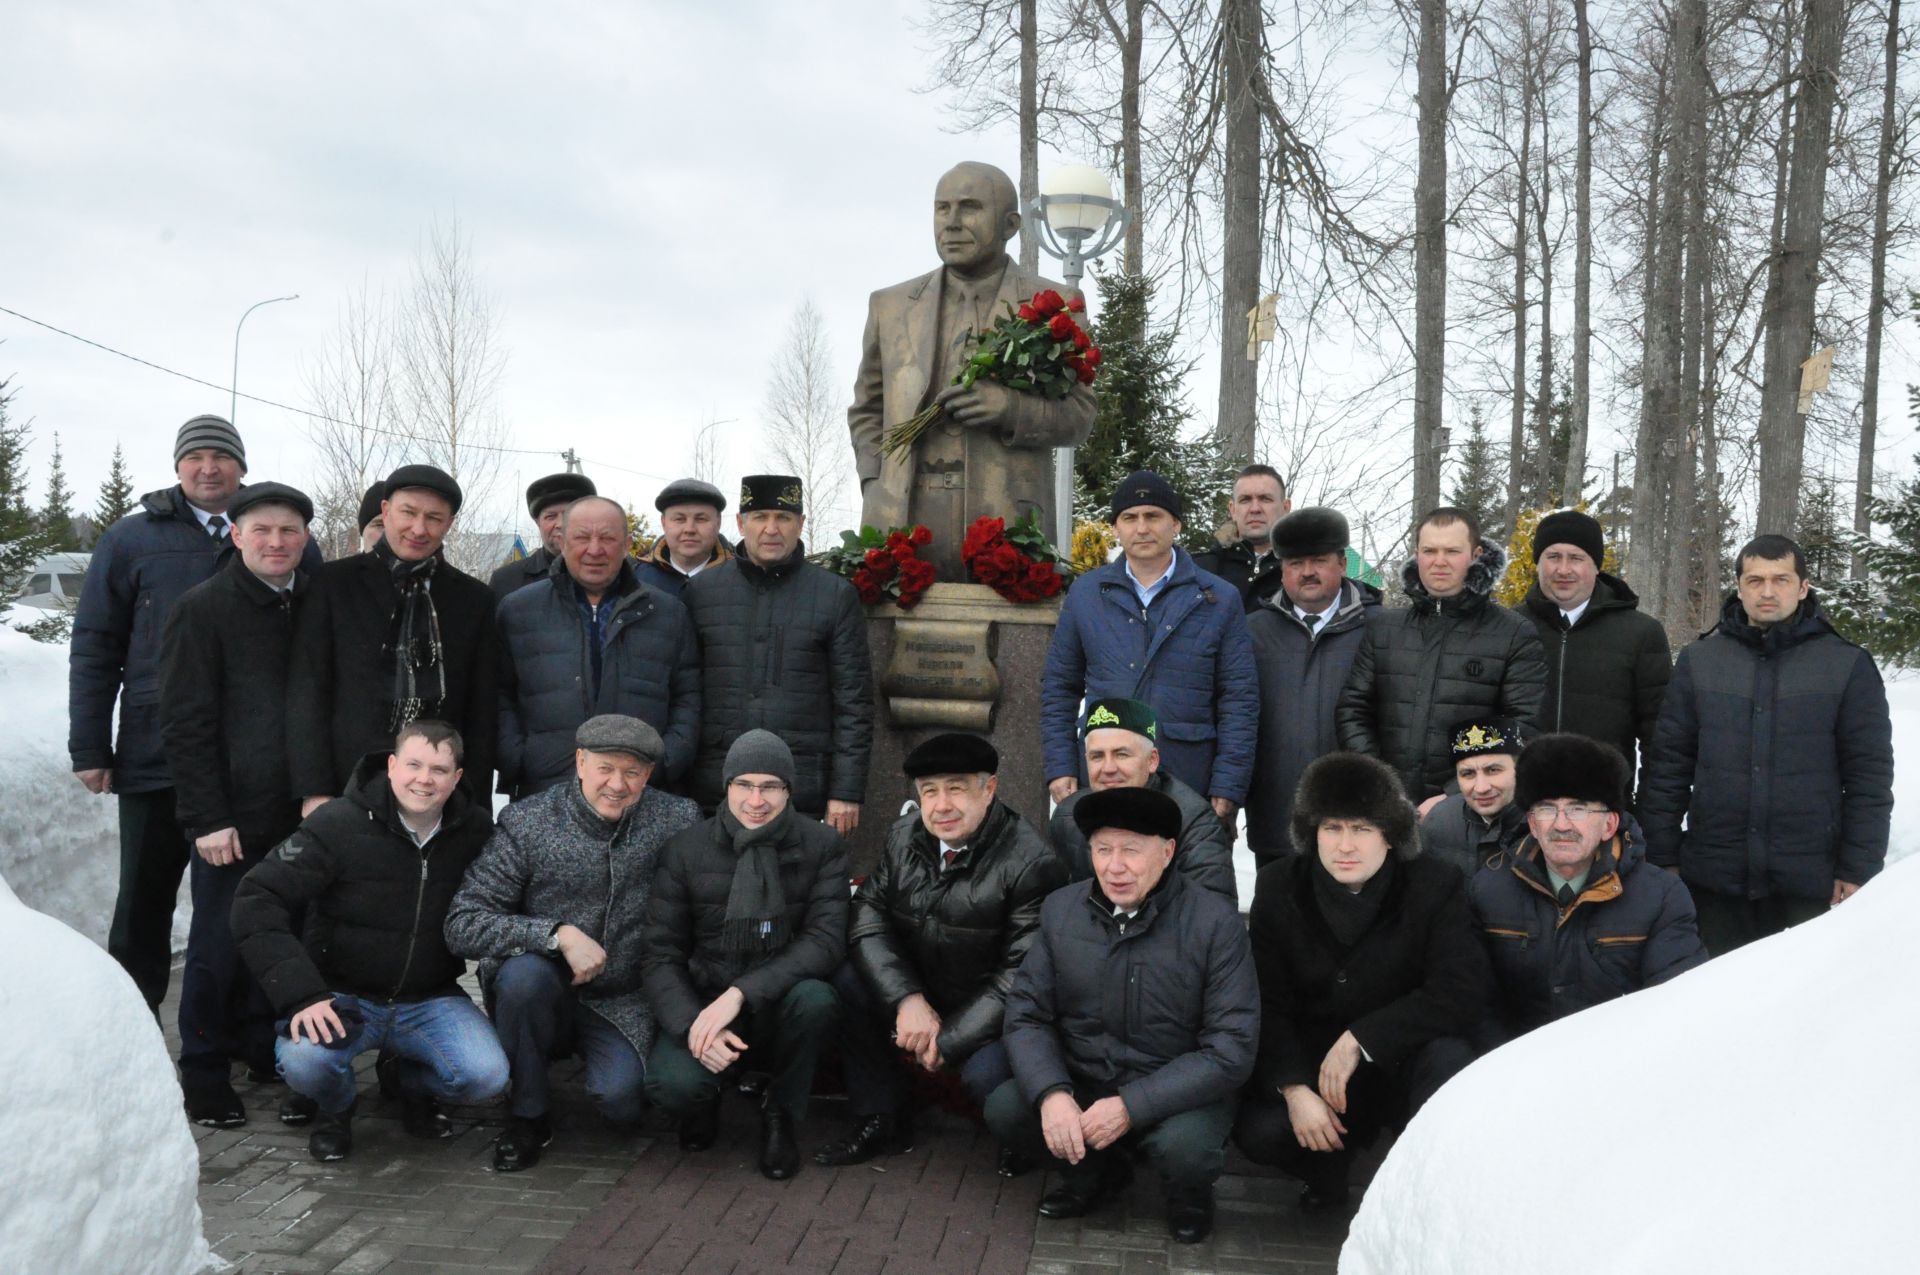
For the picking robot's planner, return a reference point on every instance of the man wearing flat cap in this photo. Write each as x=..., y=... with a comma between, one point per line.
x=1304, y=634
x=783, y=647
x=747, y=923
x=939, y=928
x=176, y=538
x=1121, y=742
x=1480, y=823
x=553, y=909
x=689, y=540
x=392, y=635
x=547, y=499
x=1577, y=916
x=1607, y=661
x=223, y=683
x=368, y=521
x=1133, y=1021
x=590, y=639
x=1154, y=627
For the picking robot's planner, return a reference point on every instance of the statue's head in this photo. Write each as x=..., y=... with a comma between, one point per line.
x=975, y=212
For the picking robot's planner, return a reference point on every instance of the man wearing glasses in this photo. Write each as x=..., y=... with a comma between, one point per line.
x=1577, y=916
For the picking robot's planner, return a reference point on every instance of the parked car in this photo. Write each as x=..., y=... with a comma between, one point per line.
x=55, y=581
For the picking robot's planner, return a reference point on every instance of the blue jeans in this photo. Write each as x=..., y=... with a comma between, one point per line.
x=445, y=1045
x=540, y=1018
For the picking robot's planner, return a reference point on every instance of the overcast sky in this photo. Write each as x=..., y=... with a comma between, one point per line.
x=649, y=190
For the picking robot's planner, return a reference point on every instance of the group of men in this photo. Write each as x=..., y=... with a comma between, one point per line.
x=685, y=740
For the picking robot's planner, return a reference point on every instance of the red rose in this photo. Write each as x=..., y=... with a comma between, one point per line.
x=1028, y=314
x=1093, y=357
x=880, y=565
x=1078, y=305
x=1008, y=560
x=1086, y=374
x=1049, y=303
x=1055, y=583
x=895, y=539
x=1082, y=342
x=903, y=553
x=916, y=575
x=920, y=535
x=1060, y=328
x=980, y=536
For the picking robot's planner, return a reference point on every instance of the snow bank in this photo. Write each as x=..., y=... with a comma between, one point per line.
x=1756, y=1115
x=101, y=1171
x=59, y=844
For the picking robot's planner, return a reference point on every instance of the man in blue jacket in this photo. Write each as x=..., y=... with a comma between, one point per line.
x=1155, y=628
x=1775, y=744
x=141, y=566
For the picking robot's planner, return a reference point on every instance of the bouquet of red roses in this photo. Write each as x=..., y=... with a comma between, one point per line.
x=1038, y=349
x=1018, y=562
x=883, y=566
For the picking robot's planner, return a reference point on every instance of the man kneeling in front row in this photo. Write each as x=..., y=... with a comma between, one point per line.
x=1135, y=1018
x=374, y=871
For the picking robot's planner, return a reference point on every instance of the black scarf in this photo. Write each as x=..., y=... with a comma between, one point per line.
x=756, y=920
x=418, y=672
x=1347, y=914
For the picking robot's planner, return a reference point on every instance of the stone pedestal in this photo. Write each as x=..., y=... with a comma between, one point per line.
x=963, y=659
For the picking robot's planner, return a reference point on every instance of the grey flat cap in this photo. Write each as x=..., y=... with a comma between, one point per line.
x=689, y=491
x=618, y=733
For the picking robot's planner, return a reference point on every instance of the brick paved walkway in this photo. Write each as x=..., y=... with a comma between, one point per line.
x=604, y=1201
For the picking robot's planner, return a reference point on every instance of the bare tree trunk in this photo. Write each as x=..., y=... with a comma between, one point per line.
x=1517, y=422
x=1543, y=401
x=1790, y=328
x=806, y=430
x=1430, y=258
x=1029, y=126
x=1575, y=482
x=1683, y=516
x=1240, y=45
x=1645, y=511
x=1876, y=290
x=1133, y=188
x=1711, y=585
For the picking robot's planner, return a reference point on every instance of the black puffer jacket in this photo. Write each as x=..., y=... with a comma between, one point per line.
x=1416, y=975
x=339, y=682
x=509, y=577
x=649, y=669
x=223, y=706
x=1301, y=677
x=686, y=963
x=954, y=936
x=141, y=566
x=1257, y=578
x=1423, y=668
x=374, y=902
x=1777, y=747
x=1607, y=674
x=1452, y=833
x=784, y=649
x=1162, y=1010
x=1204, y=853
x=1630, y=927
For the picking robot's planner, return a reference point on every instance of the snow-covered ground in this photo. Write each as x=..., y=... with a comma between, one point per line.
x=1756, y=1116
x=102, y=1173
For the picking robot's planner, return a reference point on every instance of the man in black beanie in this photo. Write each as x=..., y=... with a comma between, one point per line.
x=390, y=636
x=1578, y=916
x=547, y=500
x=1607, y=662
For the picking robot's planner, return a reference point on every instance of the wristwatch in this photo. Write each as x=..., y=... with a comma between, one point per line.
x=553, y=939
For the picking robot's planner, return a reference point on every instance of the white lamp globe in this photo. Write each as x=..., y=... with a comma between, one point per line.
x=1069, y=192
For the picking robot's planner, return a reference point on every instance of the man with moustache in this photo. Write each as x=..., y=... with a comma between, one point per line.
x=392, y=635
x=547, y=500
x=689, y=540
x=1250, y=561
x=1304, y=637
x=591, y=639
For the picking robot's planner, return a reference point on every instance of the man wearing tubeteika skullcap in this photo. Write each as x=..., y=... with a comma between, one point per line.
x=783, y=647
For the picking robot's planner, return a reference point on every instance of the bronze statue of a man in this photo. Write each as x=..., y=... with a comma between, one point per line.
x=989, y=453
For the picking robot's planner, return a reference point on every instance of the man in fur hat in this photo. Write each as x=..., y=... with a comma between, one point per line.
x=1578, y=917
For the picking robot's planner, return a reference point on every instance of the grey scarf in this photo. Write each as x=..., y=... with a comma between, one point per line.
x=756, y=920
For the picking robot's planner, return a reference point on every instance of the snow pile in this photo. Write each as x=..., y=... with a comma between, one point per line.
x=1756, y=1115
x=101, y=1169
x=59, y=844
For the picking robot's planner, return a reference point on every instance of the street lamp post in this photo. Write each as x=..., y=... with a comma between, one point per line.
x=1076, y=218
x=233, y=389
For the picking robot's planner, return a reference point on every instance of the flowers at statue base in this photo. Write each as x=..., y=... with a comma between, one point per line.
x=1039, y=348
x=883, y=566
x=1018, y=562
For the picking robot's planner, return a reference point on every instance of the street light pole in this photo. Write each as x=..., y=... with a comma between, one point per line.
x=233, y=389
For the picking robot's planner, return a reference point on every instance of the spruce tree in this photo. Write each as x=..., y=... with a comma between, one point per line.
x=23, y=541
x=57, y=514
x=1142, y=410
x=1477, y=484
x=116, y=493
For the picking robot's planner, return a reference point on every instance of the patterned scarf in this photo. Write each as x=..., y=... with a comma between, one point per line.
x=418, y=675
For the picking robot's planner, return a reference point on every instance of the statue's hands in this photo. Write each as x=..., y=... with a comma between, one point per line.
x=980, y=405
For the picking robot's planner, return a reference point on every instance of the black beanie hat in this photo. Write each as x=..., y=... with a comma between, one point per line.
x=1144, y=487
x=1568, y=767
x=1571, y=527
